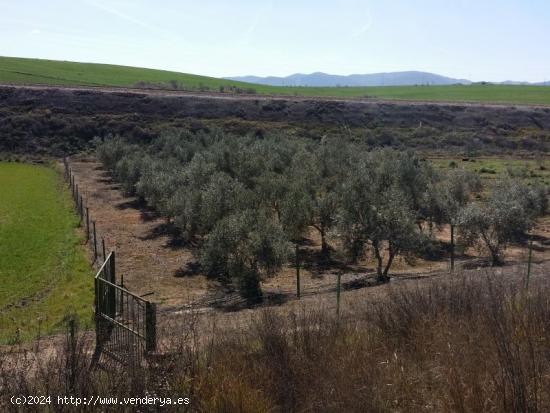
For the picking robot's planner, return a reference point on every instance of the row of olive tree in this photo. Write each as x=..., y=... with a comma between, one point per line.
x=247, y=203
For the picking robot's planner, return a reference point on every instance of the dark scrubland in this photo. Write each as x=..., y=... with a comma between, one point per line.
x=56, y=121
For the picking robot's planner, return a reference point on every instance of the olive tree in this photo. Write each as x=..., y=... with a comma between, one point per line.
x=243, y=247
x=509, y=212
x=451, y=195
x=158, y=182
x=129, y=169
x=377, y=212
x=111, y=150
x=296, y=213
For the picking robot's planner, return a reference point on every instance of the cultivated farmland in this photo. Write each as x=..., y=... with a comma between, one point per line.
x=59, y=73
x=44, y=272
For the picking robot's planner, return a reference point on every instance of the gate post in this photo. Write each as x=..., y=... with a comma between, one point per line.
x=150, y=327
x=112, y=289
x=98, y=327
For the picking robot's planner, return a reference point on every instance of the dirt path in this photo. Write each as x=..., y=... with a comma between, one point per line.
x=144, y=256
x=268, y=97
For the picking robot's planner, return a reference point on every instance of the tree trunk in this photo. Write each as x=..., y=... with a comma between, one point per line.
x=493, y=249
x=325, y=252
x=495, y=257
x=379, y=271
x=388, y=265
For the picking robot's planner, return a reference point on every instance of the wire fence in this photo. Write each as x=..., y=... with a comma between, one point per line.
x=87, y=223
x=125, y=322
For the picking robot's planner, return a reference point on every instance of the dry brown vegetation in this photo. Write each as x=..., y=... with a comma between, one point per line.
x=461, y=344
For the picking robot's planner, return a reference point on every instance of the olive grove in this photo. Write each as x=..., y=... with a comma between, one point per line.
x=246, y=203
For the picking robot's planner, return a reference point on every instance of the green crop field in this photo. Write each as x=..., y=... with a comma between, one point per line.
x=491, y=168
x=44, y=273
x=50, y=72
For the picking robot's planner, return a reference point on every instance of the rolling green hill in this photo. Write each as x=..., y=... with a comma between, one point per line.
x=51, y=72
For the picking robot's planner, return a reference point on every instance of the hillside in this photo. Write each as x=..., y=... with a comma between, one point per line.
x=61, y=73
x=14, y=70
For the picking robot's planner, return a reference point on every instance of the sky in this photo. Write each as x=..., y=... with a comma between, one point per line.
x=492, y=40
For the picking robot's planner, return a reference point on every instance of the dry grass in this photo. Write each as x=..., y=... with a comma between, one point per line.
x=464, y=344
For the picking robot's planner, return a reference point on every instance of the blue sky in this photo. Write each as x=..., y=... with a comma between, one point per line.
x=480, y=40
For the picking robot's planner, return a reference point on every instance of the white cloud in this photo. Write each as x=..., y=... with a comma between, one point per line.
x=123, y=16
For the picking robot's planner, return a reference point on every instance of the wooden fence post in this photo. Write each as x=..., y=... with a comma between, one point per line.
x=150, y=326
x=71, y=352
x=121, y=295
x=338, y=287
x=529, y=261
x=297, y=272
x=98, y=325
x=103, y=247
x=111, y=289
x=452, y=248
x=87, y=224
x=112, y=268
x=95, y=242
x=81, y=208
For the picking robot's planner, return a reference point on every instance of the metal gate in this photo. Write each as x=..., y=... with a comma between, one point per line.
x=125, y=322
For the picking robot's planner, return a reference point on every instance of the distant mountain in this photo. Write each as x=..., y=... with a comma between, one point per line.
x=513, y=83
x=542, y=83
x=320, y=79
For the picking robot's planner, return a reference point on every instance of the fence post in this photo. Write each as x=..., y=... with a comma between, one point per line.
x=338, y=284
x=95, y=243
x=81, y=208
x=98, y=324
x=121, y=294
x=103, y=247
x=452, y=248
x=150, y=326
x=87, y=224
x=297, y=272
x=111, y=288
x=112, y=268
x=71, y=353
x=529, y=261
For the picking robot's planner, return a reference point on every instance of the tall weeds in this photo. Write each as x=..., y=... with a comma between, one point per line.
x=458, y=345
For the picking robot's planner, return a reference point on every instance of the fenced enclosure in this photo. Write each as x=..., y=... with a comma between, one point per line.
x=125, y=322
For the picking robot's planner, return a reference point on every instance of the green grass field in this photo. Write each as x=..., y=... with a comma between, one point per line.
x=50, y=72
x=44, y=273
x=489, y=169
